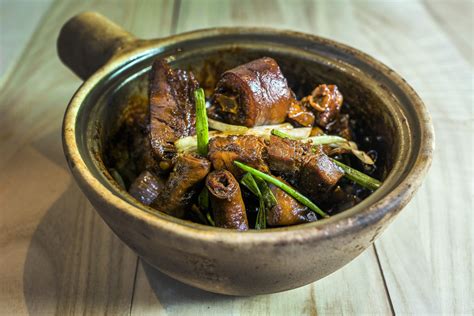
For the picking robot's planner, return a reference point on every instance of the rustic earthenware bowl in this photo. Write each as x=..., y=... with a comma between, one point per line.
x=115, y=65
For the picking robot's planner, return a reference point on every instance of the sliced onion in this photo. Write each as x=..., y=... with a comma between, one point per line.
x=228, y=128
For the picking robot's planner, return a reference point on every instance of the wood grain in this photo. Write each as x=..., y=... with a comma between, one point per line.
x=355, y=289
x=58, y=257
x=15, y=33
x=365, y=296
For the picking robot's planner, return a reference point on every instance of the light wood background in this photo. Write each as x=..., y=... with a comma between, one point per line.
x=58, y=257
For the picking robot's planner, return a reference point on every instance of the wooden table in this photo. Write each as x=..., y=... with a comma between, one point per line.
x=58, y=257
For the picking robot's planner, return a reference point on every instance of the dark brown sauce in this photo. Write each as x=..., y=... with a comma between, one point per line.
x=120, y=155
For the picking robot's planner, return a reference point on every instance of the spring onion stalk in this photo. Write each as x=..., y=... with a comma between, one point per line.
x=358, y=177
x=265, y=197
x=326, y=139
x=203, y=203
x=202, y=128
x=227, y=128
x=261, y=220
x=267, y=194
x=316, y=140
x=209, y=218
x=292, y=192
x=266, y=130
x=281, y=134
x=292, y=133
x=249, y=181
x=336, y=141
x=189, y=143
x=203, y=199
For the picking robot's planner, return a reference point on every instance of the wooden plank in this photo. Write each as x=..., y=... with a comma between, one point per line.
x=456, y=19
x=425, y=254
x=15, y=32
x=422, y=271
x=157, y=294
x=58, y=256
x=360, y=283
x=53, y=261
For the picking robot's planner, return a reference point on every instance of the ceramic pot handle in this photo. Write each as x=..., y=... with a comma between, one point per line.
x=88, y=40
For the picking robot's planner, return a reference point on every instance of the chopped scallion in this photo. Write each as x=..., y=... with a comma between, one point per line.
x=358, y=177
x=202, y=128
x=285, y=187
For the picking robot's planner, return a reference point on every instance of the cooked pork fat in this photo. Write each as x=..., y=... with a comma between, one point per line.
x=172, y=110
x=226, y=200
x=178, y=190
x=255, y=93
x=287, y=211
x=251, y=150
x=314, y=172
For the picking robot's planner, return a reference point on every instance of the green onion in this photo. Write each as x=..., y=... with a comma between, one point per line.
x=209, y=218
x=292, y=192
x=203, y=199
x=228, y=128
x=326, y=139
x=203, y=202
x=265, y=197
x=316, y=140
x=281, y=134
x=261, y=220
x=267, y=194
x=249, y=181
x=202, y=128
x=358, y=177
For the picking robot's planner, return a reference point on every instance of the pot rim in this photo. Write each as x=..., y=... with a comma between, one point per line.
x=352, y=219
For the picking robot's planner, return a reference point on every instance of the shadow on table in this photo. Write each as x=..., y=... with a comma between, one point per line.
x=171, y=292
x=74, y=263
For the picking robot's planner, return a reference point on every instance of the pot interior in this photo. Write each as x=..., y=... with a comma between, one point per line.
x=374, y=104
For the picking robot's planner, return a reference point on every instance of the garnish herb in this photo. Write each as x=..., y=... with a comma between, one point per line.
x=209, y=218
x=358, y=177
x=335, y=141
x=249, y=181
x=202, y=128
x=285, y=187
x=203, y=199
x=203, y=202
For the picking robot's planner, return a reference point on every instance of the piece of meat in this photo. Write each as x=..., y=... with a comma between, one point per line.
x=300, y=115
x=248, y=149
x=255, y=93
x=318, y=175
x=312, y=171
x=172, y=110
x=287, y=211
x=287, y=156
x=146, y=187
x=226, y=200
x=326, y=102
x=178, y=191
